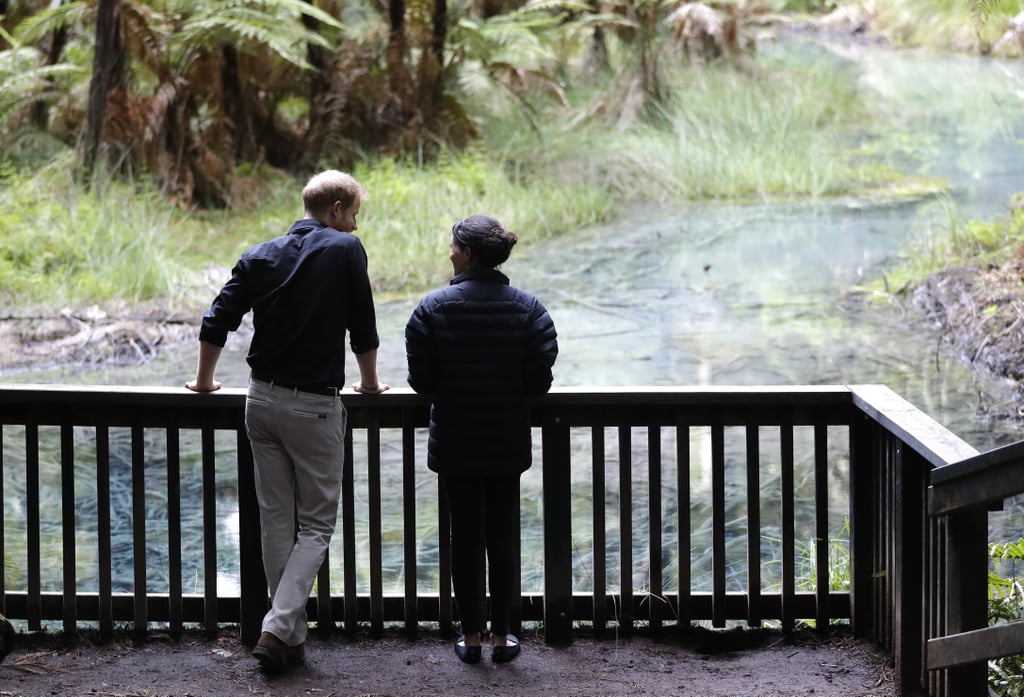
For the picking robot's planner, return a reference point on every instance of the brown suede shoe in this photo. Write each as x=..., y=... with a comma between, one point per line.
x=271, y=652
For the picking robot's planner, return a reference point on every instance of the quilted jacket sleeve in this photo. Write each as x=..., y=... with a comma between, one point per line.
x=419, y=349
x=541, y=350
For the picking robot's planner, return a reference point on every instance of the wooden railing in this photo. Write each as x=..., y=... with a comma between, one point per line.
x=961, y=496
x=756, y=505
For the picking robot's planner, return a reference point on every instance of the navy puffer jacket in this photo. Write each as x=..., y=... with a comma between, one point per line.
x=481, y=348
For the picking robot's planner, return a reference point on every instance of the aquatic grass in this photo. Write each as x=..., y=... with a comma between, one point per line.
x=407, y=220
x=944, y=239
x=782, y=128
x=735, y=134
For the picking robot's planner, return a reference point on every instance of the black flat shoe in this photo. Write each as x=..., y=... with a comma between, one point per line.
x=466, y=654
x=505, y=654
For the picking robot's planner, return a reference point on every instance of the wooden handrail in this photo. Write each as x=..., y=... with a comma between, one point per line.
x=959, y=496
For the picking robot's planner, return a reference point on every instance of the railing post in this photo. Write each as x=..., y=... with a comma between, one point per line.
x=138, y=508
x=252, y=582
x=863, y=481
x=557, y=529
x=967, y=593
x=909, y=591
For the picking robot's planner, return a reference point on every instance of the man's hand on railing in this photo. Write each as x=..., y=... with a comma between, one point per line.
x=207, y=386
x=209, y=354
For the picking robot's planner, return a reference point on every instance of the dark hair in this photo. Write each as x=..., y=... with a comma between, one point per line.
x=490, y=242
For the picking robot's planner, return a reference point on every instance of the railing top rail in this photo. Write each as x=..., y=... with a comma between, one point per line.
x=972, y=465
x=24, y=393
x=930, y=439
x=811, y=402
x=979, y=481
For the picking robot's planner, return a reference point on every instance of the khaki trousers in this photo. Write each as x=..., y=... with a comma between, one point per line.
x=298, y=449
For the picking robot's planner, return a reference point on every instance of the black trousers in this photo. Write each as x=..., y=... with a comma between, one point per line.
x=484, y=520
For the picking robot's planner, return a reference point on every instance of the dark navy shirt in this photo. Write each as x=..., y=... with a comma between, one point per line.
x=305, y=290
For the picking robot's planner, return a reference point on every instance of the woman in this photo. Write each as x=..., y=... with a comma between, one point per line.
x=481, y=348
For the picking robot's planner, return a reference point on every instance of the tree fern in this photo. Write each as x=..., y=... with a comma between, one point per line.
x=24, y=80
x=56, y=16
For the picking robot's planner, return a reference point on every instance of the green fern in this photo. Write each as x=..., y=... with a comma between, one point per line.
x=24, y=81
x=980, y=11
x=57, y=16
x=1006, y=604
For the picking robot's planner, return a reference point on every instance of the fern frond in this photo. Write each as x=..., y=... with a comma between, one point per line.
x=583, y=25
x=245, y=29
x=980, y=11
x=301, y=7
x=33, y=28
x=245, y=24
x=23, y=80
x=555, y=6
x=521, y=80
x=145, y=31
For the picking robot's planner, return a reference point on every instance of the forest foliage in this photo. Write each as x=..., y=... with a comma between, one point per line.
x=187, y=91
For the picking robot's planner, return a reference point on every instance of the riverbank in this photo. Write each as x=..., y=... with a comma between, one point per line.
x=92, y=338
x=979, y=313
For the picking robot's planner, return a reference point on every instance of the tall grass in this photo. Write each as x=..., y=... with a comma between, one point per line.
x=63, y=246
x=780, y=127
x=124, y=244
x=943, y=24
x=736, y=134
x=407, y=220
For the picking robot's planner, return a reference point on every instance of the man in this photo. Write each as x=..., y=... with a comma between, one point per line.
x=305, y=290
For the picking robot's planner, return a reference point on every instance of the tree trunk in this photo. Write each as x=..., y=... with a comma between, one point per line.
x=108, y=71
x=432, y=63
x=399, y=81
x=5, y=6
x=235, y=105
x=41, y=110
x=439, y=35
x=319, y=101
x=597, y=55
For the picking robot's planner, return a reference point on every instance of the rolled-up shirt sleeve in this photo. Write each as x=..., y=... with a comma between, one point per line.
x=227, y=310
x=363, y=334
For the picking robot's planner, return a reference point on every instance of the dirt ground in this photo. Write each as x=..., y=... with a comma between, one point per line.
x=762, y=664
